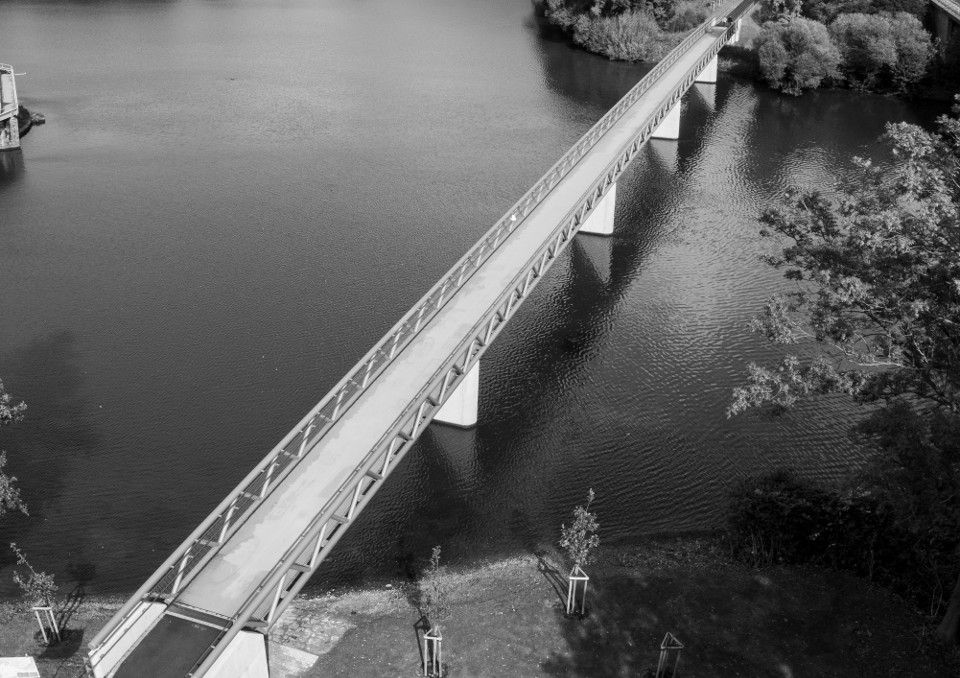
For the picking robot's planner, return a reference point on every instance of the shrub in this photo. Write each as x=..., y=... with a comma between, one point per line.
x=662, y=11
x=796, y=54
x=826, y=11
x=435, y=591
x=890, y=49
x=778, y=518
x=915, y=50
x=687, y=19
x=777, y=10
x=626, y=37
x=867, y=46
x=896, y=522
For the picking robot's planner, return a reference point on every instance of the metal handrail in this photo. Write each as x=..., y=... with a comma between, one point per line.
x=304, y=541
x=172, y=575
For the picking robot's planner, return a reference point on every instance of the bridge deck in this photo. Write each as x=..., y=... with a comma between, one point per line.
x=223, y=585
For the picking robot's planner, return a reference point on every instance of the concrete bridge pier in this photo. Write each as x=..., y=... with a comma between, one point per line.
x=669, y=127
x=463, y=404
x=709, y=73
x=9, y=106
x=735, y=40
x=944, y=27
x=600, y=219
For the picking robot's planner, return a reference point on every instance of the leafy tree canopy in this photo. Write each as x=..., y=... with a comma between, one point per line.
x=580, y=539
x=9, y=413
x=9, y=493
x=796, y=54
x=877, y=275
x=876, y=313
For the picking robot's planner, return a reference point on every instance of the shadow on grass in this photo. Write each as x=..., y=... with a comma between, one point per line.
x=70, y=641
x=420, y=628
x=553, y=577
x=628, y=615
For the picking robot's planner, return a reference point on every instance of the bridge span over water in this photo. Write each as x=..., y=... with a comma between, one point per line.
x=209, y=608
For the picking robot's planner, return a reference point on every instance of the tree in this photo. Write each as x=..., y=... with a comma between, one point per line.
x=9, y=493
x=778, y=10
x=915, y=49
x=876, y=303
x=38, y=587
x=435, y=602
x=867, y=46
x=579, y=539
x=796, y=54
x=826, y=11
x=893, y=47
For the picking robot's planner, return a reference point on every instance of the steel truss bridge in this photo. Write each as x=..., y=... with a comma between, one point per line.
x=243, y=565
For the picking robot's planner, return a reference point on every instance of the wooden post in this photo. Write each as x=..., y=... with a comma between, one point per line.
x=669, y=649
x=573, y=584
x=433, y=652
x=44, y=613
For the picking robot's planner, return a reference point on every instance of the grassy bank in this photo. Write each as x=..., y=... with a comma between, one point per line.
x=507, y=620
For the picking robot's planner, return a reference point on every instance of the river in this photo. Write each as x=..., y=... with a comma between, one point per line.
x=232, y=201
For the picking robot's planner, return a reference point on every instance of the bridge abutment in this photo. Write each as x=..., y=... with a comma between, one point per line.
x=600, y=220
x=245, y=657
x=463, y=404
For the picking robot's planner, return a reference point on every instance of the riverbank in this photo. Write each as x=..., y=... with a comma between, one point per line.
x=507, y=620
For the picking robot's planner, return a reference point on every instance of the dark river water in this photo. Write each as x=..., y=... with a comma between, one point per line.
x=232, y=201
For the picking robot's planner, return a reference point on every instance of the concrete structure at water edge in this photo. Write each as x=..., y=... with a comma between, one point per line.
x=209, y=609
x=9, y=106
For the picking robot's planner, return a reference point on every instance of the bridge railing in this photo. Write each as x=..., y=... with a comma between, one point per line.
x=285, y=578
x=200, y=546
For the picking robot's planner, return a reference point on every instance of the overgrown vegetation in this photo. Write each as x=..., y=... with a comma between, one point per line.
x=875, y=46
x=875, y=315
x=626, y=30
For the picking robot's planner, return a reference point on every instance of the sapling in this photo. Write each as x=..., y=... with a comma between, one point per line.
x=580, y=541
x=434, y=600
x=38, y=588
